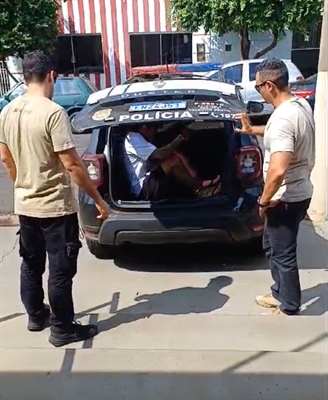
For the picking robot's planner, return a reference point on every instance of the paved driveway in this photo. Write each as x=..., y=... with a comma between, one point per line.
x=177, y=323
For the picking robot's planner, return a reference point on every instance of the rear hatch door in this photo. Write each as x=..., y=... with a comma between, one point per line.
x=159, y=106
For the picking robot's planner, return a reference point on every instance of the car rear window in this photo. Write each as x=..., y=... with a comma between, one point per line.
x=66, y=87
x=252, y=70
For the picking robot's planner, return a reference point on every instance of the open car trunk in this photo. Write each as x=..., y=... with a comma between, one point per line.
x=210, y=152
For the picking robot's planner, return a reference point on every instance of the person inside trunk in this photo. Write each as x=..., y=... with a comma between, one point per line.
x=148, y=166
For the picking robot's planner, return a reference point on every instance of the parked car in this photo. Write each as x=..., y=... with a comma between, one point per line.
x=306, y=88
x=71, y=93
x=242, y=73
x=208, y=109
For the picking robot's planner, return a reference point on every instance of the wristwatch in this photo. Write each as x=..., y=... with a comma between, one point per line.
x=261, y=205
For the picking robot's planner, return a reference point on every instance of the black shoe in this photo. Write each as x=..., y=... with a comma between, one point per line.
x=40, y=321
x=74, y=333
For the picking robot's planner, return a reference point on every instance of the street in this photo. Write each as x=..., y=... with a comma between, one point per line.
x=6, y=186
x=176, y=323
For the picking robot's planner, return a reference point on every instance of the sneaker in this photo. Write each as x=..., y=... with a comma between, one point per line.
x=39, y=322
x=278, y=312
x=74, y=333
x=267, y=301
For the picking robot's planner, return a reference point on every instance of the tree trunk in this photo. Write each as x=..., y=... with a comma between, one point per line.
x=245, y=43
x=271, y=46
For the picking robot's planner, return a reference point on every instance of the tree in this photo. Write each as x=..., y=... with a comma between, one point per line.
x=245, y=16
x=27, y=25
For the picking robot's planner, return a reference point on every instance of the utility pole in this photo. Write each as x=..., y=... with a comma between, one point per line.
x=318, y=211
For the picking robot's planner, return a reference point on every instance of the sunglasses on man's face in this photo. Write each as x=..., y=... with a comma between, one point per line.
x=260, y=86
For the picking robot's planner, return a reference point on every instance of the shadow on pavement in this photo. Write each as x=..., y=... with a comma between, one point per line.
x=312, y=254
x=148, y=385
x=191, y=258
x=181, y=301
x=228, y=379
x=237, y=376
x=315, y=300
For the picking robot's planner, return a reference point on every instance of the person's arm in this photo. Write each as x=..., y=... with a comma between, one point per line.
x=246, y=126
x=59, y=129
x=8, y=161
x=282, y=149
x=165, y=152
x=74, y=165
x=5, y=154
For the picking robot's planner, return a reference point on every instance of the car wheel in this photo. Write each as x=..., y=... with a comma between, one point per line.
x=100, y=251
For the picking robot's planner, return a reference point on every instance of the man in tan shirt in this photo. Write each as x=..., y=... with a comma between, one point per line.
x=39, y=155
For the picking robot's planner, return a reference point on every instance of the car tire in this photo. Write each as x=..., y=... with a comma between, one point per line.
x=101, y=251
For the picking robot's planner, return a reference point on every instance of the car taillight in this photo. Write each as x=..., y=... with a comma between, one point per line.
x=95, y=166
x=249, y=163
x=299, y=78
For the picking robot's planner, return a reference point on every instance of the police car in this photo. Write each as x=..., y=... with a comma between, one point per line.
x=214, y=149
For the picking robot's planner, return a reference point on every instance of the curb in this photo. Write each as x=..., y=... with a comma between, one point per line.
x=8, y=220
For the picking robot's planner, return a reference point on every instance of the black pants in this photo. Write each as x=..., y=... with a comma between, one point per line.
x=280, y=245
x=59, y=238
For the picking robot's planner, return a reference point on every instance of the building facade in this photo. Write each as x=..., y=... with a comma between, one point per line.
x=104, y=39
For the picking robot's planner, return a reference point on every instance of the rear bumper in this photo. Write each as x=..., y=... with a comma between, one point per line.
x=182, y=227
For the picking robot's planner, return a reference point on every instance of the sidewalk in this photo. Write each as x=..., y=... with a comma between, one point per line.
x=184, y=341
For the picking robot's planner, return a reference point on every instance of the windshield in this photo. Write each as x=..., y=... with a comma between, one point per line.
x=215, y=75
x=19, y=90
x=67, y=87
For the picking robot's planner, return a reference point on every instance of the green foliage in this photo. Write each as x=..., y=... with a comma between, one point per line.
x=27, y=25
x=222, y=16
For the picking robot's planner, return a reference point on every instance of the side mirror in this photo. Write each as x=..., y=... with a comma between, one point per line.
x=254, y=107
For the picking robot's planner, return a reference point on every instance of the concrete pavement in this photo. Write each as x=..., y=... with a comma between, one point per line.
x=176, y=324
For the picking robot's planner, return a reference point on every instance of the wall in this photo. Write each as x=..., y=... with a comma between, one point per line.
x=215, y=46
x=115, y=19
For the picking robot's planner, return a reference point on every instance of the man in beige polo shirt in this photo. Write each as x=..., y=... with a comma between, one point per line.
x=39, y=155
x=289, y=141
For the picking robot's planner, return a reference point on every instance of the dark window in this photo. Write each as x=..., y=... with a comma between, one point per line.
x=201, y=57
x=233, y=74
x=312, y=41
x=67, y=87
x=252, y=70
x=228, y=47
x=145, y=50
x=79, y=54
x=160, y=49
x=215, y=76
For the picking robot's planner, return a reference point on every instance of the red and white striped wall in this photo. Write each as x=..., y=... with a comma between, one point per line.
x=114, y=19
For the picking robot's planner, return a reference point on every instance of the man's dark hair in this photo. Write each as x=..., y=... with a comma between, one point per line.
x=36, y=66
x=274, y=70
